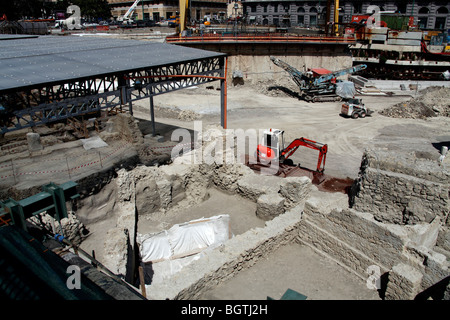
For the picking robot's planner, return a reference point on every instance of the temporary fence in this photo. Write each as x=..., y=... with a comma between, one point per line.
x=70, y=166
x=64, y=167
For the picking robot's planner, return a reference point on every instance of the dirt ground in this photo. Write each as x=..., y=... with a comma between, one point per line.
x=295, y=266
x=299, y=267
x=249, y=108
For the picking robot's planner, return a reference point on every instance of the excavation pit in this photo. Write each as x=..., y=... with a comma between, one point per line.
x=269, y=216
x=320, y=227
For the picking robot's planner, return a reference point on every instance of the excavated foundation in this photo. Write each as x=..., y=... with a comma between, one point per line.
x=401, y=258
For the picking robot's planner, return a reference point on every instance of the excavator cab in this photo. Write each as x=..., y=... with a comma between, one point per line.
x=272, y=143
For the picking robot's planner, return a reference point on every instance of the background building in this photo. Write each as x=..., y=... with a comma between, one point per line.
x=163, y=9
x=311, y=13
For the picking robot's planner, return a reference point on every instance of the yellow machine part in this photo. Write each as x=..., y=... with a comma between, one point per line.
x=184, y=4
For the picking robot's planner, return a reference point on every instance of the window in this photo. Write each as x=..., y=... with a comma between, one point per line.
x=441, y=18
x=424, y=10
x=442, y=10
x=401, y=7
x=423, y=22
x=440, y=23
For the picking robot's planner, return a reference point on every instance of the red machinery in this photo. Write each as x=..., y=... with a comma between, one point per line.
x=272, y=147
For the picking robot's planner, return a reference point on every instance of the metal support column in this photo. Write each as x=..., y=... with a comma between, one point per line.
x=152, y=113
x=223, y=96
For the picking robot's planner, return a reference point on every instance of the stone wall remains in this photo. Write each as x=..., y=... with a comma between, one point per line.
x=402, y=189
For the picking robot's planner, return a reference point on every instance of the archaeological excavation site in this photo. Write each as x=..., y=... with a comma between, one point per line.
x=179, y=228
x=175, y=177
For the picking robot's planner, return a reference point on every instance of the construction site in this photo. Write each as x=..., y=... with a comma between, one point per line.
x=218, y=170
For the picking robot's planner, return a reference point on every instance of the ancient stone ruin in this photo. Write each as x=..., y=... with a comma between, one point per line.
x=392, y=229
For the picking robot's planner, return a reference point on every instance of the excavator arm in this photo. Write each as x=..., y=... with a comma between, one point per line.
x=131, y=9
x=294, y=145
x=329, y=76
x=296, y=75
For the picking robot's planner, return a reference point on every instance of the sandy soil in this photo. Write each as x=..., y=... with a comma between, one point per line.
x=295, y=266
x=249, y=108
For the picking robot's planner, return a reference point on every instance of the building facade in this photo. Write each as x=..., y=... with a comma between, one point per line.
x=428, y=15
x=158, y=10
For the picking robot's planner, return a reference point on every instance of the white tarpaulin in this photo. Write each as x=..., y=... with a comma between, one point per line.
x=345, y=89
x=93, y=142
x=157, y=248
x=184, y=239
x=171, y=250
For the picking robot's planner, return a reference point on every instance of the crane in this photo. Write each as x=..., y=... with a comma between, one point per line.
x=321, y=88
x=184, y=10
x=126, y=17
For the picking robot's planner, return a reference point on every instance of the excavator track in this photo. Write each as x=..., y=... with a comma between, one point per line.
x=322, y=181
x=323, y=98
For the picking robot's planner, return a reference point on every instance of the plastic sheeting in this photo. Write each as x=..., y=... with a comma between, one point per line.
x=93, y=142
x=345, y=89
x=184, y=239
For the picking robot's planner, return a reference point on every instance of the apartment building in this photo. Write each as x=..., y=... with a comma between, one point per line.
x=428, y=15
x=163, y=9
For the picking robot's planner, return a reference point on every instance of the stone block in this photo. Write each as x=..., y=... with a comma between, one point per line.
x=34, y=141
x=295, y=190
x=443, y=240
x=269, y=206
x=253, y=186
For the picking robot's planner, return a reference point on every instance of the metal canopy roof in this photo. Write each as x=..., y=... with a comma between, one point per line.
x=31, y=62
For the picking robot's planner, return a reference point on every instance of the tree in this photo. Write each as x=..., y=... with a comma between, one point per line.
x=94, y=9
x=19, y=9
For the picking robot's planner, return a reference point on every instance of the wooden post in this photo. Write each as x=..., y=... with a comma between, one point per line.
x=142, y=281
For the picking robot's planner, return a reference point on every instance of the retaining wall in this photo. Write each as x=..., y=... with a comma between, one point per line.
x=404, y=255
x=351, y=238
x=402, y=189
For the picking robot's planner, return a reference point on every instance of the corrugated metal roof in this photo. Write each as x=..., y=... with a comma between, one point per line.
x=16, y=36
x=55, y=59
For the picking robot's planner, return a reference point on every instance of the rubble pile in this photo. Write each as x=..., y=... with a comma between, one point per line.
x=432, y=102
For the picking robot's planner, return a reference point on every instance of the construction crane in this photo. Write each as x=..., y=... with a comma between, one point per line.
x=184, y=10
x=322, y=88
x=336, y=17
x=126, y=17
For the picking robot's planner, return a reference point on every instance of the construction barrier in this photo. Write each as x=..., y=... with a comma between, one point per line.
x=17, y=168
x=12, y=170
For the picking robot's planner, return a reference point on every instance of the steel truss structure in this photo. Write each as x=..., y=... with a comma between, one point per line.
x=51, y=103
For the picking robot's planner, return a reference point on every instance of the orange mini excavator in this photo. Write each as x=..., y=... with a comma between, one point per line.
x=272, y=148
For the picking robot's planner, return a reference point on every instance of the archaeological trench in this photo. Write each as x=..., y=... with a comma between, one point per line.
x=395, y=217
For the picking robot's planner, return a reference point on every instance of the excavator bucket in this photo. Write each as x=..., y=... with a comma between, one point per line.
x=318, y=178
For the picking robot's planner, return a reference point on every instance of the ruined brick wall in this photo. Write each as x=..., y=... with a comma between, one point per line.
x=409, y=192
x=401, y=189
